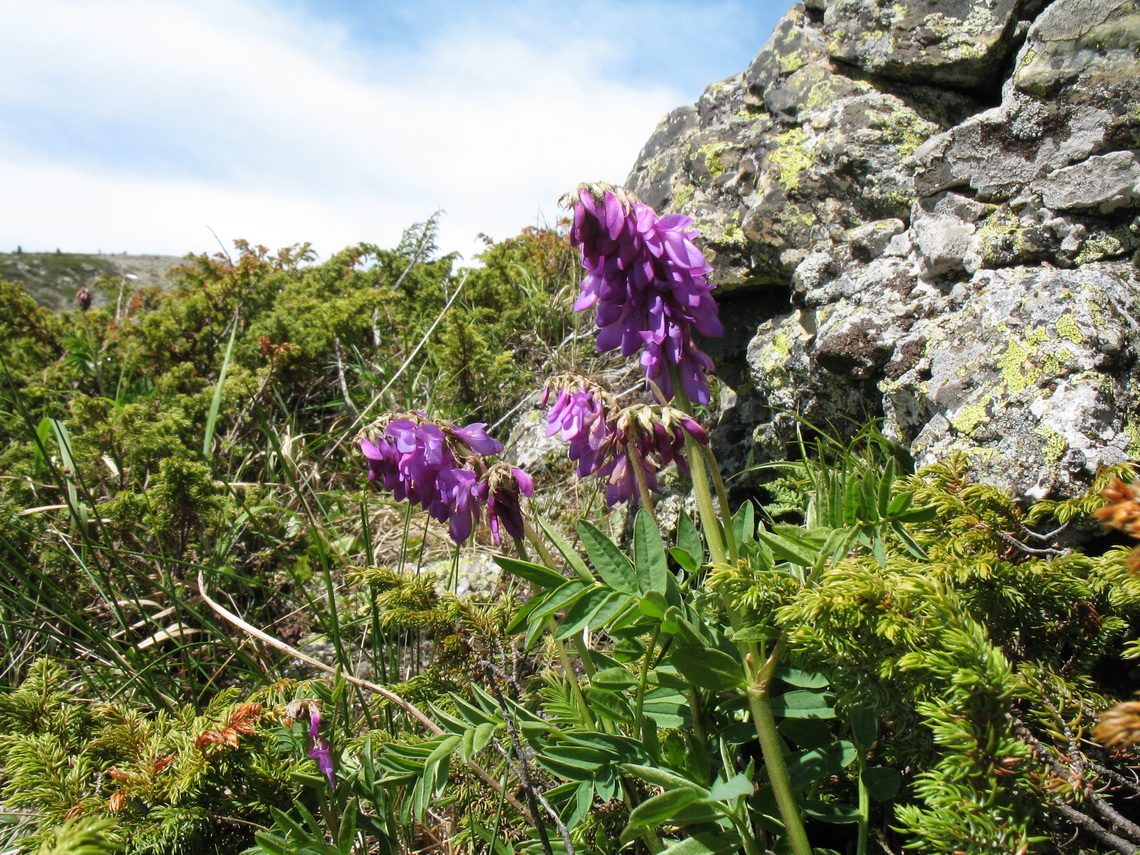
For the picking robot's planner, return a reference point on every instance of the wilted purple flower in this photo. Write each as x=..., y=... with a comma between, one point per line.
x=615, y=444
x=502, y=488
x=319, y=748
x=83, y=298
x=648, y=282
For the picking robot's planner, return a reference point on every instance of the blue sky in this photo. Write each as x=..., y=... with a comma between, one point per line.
x=149, y=126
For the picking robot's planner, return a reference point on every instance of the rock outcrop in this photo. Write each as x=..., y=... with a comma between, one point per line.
x=928, y=213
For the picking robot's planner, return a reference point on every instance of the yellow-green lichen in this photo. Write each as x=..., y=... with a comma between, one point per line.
x=711, y=153
x=791, y=157
x=1017, y=371
x=682, y=195
x=1055, y=444
x=732, y=232
x=790, y=61
x=1132, y=431
x=968, y=418
x=1067, y=328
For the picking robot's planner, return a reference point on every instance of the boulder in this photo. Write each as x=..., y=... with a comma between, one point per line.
x=925, y=213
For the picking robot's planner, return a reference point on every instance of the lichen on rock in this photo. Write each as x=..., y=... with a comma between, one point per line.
x=927, y=212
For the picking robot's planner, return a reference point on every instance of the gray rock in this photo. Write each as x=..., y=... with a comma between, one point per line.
x=888, y=246
x=1105, y=182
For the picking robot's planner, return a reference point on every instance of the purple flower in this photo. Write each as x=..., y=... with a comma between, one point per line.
x=438, y=467
x=580, y=419
x=83, y=298
x=319, y=748
x=648, y=282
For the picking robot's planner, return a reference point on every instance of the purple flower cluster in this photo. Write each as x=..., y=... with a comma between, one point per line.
x=438, y=467
x=609, y=442
x=649, y=283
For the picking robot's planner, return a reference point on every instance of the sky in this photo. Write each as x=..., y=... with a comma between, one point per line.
x=178, y=126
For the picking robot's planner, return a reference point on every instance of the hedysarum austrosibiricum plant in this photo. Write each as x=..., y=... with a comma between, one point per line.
x=649, y=283
x=609, y=441
x=440, y=467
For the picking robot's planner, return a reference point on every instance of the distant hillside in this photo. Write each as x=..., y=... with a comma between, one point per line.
x=52, y=278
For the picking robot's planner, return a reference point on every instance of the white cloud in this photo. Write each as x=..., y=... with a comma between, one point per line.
x=140, y=123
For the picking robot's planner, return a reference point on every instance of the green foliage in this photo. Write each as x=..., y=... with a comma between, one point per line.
x=105, y=777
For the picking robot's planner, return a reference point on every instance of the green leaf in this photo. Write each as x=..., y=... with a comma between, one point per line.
x=683, y=558
x=557, y=599
x=614, y=568
x=919, y=516
x=744, y=523
x=649, y=554
x=813, y=765
x=706, y=843
x=806, y=732
x=707, y=667
x=614, y=680
x=735, y=787
x=582, y=614
x=216, y=403
x=567, y=551
x=582, y=756
x=887, y=479
x=660, y=808
x=755, y=632
x=689, y=541
x=882, y=783
x=803, y=703
x=864, y=723
x=664, y=778
x=909, y=542
x=654, y=604
x=793, y=551
x=803, y=679
x=899, y=504
x=482, y=737
x=837, y=814
x=542, y=576
x=610, y=705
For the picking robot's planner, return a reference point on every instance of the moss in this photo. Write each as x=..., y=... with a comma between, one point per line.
x=732, y=232
x=790, y=61
x=906, y=130
x=791, y=157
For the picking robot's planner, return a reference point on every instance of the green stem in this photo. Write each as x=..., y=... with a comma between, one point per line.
x=639, y=475
x=642, y=680
x=540, y=547
x=864, y=830
x=572, y=678
x=772, y=750
x=760, y=677
x=709, y=522
x=722, y=500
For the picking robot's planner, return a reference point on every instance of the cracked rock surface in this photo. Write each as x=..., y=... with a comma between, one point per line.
x=927, y=213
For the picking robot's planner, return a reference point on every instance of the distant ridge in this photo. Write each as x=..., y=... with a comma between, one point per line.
x=53, y=278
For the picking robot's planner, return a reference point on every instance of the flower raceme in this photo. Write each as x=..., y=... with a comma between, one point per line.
x=440, y=467
x=610, y=442
x=648, y=282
